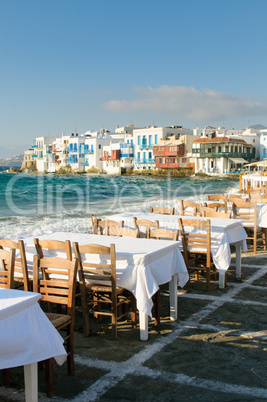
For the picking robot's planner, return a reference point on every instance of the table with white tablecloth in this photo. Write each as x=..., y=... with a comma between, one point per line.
x=141, y=266
x=27, y=336
x=223, y=233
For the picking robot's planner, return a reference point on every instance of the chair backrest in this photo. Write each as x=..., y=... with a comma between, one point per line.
x=94, y=223
x=233, y=197
x=195, y=235
x=20, y=265
x=188, y=208
x=256, y=197
x=159, y=210
x=216, y=214
x=216, y=197
x=128, y=232
x=108, y=227
x=162, y=234
x=145, y=223
x=247, y=211
x=42, y=245
x=55, y=278
x=217, y=206
x=7, y=259
x=100, y=270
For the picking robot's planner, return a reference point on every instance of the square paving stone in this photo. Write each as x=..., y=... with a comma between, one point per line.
x=142, y=388
x=238, y=316
x=261, y=281
x=215, y=356
x=253, y=295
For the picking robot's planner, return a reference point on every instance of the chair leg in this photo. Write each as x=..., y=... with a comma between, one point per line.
x=6, y=377
x=264, y=238
x=70, y=358
x=157, y=308
x=255, y=241
x=49, y=377
x=133, y=312
x=208, y=279
x=114, y=317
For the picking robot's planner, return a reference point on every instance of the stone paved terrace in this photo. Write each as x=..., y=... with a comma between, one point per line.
x=215, y=351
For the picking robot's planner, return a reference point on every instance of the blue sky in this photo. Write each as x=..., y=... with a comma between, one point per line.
x=81, y=65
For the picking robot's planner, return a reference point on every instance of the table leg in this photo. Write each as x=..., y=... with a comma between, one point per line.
x=31, y=382
x=143, y=322
x=238, y=246
x=221, y=280
x=173, y=297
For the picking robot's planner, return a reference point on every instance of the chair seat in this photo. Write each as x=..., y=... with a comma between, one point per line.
x=58, y=319
x=94, y=287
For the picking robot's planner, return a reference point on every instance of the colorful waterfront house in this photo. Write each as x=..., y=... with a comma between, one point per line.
x=42, y=152
x=175, y=153
x=146, y=138
x=91, y=149
x=29, y=159
x=118, y=157
x=217, y=155
x=57, y=157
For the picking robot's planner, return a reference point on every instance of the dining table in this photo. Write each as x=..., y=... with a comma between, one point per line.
x=141, y=267
x=27, y=337
x=224, y=232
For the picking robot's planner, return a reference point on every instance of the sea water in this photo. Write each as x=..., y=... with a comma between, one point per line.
x=33, y=204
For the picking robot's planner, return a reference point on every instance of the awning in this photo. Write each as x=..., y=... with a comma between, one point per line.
x=260, y=163
x=238, y=160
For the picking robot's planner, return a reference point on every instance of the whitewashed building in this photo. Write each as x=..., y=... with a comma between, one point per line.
x=146, y=138
x=42, y=151
x=118, y=157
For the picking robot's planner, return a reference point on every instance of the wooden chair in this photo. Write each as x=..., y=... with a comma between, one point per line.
x=197, y=247
x=21, y=276
x=247, y=211
x=59, y=290
x=258, y=198
x=144, y=223
x=122, y=231
x=188, y=208
x=234, y=197
x=160, y=234
x=216, y=197
x=217, y=206
x=7, y=258
x=48, y=245
x=216, y=214
x=99, y=286
x=159, y=210
x=107, y=227
x=94, y=223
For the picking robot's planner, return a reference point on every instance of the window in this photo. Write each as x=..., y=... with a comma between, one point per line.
x=139, y=140
x=156, y=138
x=99, y=146
x=220, y=149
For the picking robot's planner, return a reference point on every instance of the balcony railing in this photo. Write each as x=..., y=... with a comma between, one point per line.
x=204, y=154
x=146, y=146
x=145, y=161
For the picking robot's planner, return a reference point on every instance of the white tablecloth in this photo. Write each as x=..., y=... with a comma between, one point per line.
x=141, y=265
x=223, y=233
x=26, y=334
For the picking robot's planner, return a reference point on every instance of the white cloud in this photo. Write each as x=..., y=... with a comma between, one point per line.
x=188, y=102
